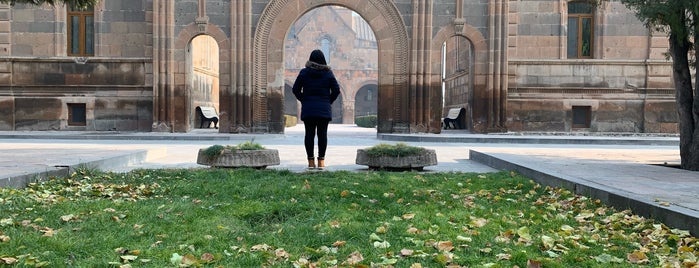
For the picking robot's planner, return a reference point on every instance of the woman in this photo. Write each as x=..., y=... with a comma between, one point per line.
x=316, y=88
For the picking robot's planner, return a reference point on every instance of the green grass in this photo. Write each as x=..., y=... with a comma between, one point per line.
x=399, y=149
x=267, y=218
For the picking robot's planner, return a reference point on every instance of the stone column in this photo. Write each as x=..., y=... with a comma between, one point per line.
x=163, y=66
x=421, y=115
x=238, y=99
x=497, y=61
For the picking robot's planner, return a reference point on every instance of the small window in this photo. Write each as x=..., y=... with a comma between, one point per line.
x=581, y=116
x=580, y=25
x=81, y=34
x=77, y=114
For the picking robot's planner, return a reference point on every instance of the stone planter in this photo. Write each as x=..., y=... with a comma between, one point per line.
x=427, y=157
x=240, y=158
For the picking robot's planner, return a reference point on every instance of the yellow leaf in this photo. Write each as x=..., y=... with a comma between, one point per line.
x=444, y=246
x=128, y=258
x=344, y=193
x=637, y=257
x=49, y=232
x=408, y=216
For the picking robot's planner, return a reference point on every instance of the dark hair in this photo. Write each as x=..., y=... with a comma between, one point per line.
x=318, y=57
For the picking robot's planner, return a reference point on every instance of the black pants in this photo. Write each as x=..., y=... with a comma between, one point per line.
x=321, y=126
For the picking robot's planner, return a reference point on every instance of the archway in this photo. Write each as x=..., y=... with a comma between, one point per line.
x=457, y=76
x=202, y=78
x=268, y=63
x=479, y=100
x=365, y=100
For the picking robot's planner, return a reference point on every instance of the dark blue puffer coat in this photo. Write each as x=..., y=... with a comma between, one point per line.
x=316, y=88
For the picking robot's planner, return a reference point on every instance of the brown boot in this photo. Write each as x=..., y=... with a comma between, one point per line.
x=311, y=163
x=321, y=163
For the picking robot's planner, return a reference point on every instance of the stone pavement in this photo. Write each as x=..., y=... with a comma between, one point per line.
x=624, y=171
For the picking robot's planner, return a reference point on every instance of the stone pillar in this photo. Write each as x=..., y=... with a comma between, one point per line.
x=163, y=66
x=497, y=69
x=422, y=114
x=237, y=101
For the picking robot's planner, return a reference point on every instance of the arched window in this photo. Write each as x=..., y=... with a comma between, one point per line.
x=325, y=47
x=81, y=34
x=580, y=30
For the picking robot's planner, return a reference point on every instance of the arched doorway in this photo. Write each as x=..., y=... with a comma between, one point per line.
x=365, y=100
x=268, y=61
x=202, y=78
x=457, y=76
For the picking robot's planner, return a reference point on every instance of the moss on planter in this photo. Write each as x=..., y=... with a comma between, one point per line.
x=396, y=157
x=217, y=149
x=398, y=149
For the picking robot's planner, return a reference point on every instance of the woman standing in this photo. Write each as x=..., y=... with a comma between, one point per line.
x=316, y=88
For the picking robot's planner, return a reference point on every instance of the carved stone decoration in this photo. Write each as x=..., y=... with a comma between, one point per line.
x=427, y=157
x=202, y=22
x=240, y=158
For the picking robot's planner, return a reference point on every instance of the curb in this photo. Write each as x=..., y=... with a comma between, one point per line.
x=673, y=216
x=17, y=181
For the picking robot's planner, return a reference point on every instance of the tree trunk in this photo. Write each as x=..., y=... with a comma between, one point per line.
x=684, y=94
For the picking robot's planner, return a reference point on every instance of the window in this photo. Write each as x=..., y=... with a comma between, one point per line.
x=81, y=34
x=581, y=116
x=325, y=47
x=77, y=114
x=580, y=26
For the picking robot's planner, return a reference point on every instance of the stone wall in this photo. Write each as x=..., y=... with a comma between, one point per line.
x=626, y=84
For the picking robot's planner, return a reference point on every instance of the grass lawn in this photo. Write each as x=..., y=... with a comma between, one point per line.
x=268, y=218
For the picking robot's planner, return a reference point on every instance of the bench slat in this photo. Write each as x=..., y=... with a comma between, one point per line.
x=453, y=113
x=208, y=112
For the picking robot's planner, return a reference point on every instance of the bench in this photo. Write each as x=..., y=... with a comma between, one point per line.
x=454, y=118
x=207, y=115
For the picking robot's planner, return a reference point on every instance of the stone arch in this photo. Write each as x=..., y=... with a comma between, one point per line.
x=479, y=111
x=183, y=110
x=268, y=82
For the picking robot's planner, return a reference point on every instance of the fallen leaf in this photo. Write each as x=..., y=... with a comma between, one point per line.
x=339, y=243
x=408, y=216
x=355, y=258
x=281, y=254
x=637, y=257
x=533, y=264
x=503, y=256
x=69, y=217
x=406, y=252
x=207, y=257
x=128, y=258
x=444, y=246
x=8, y=260
x=382, y=244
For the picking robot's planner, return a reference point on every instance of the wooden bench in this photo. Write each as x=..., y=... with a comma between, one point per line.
x=207, y=115
x=454, y=118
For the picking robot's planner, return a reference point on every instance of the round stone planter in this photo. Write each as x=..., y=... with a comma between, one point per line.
x=240, y=158
x=427, y=157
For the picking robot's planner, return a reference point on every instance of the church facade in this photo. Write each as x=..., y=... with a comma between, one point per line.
x=145, y=65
